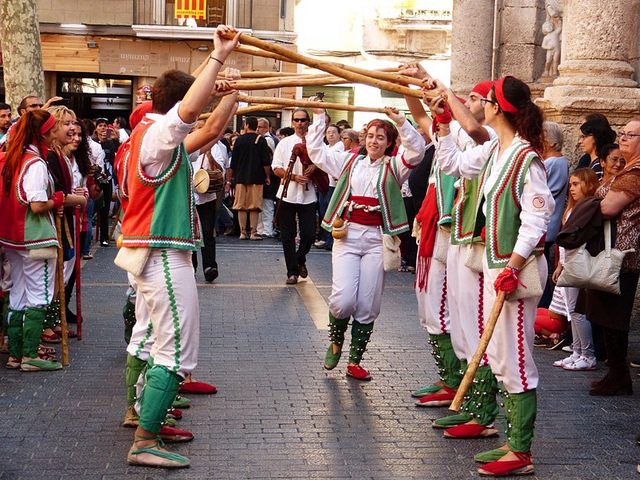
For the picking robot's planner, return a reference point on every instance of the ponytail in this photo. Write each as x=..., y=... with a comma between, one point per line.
x=528, y=118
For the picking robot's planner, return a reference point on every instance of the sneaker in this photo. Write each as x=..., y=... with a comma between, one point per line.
x=566, y=361
x=635, y=363
x=320, y=244
x=104, y=243
x=541, y=341
x=582, y=364
x=567, y=348
x=87, y=256
x=557, y=342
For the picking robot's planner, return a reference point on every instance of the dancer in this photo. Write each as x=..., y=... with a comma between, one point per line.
x=160, y=230
x=515, y=226
x=28, y=234
x=368, y=203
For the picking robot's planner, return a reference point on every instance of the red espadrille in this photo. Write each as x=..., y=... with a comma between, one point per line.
x=442, y=398
x=174, y=413
x=198, y=387
x=175, y=435
x=357, y=372
x=470, y=430
x=522, y=466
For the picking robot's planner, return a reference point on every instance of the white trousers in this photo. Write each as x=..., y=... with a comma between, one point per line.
x=142, y=334
x=466, y=291
x=265, y=219
x=33, y=280
x=167, y=287
x=433, y=302
x=510, y=350
x=358, y=274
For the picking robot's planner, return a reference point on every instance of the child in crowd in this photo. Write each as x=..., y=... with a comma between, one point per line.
x=582, y=183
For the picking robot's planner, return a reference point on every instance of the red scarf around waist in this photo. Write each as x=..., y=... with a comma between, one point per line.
x=361, y=216
x=428, y=219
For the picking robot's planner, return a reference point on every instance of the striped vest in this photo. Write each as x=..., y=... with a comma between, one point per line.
x=503, y=204
x=21, y=228
x=161, y=210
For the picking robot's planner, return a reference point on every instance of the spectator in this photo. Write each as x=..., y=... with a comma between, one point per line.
x=5, y=120
x=103, y=135
x=557, y=167
x=595, y=133
x=343, y=125
x=265, y=219
x=350, y=140
x=620, y=203
x=250, y=170
x=96, y=157
x=120, y=128
x=612, y=161
x=583, y=183
x=299, y=201
x=285, y=132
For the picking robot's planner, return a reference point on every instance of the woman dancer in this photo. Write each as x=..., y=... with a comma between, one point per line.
x=28, y=201
x=367, y=199
x=513, y=211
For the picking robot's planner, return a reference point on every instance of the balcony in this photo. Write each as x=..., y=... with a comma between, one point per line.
x=162, y=12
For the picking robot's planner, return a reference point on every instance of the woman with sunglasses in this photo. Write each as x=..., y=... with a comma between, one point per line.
x=514, y=208
x=368, y=200
x=28, y=200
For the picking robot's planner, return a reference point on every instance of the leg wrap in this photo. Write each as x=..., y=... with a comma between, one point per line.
x=480, y=402
x=52, y=318
x=360, y=334
x=135, y=366
x=129, y=315
x=160, y=389
x=337, y=327
x=521, y=411
x=446, y=360
x=32, y=331
x=15, y=332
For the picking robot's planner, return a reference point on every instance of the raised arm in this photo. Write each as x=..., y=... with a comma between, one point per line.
x=215, y=124
x=320, y=154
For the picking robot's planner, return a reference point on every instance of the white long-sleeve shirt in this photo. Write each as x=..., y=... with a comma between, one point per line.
x=296, y=192
x=365, y=173
x=537, y=202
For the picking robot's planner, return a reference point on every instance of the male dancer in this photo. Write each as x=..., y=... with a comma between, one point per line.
x=160, y=230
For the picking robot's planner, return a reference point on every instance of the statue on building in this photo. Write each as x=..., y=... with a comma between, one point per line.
x=552, y=40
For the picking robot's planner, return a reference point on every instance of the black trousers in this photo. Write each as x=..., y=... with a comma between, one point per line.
x=103, y=213
x=207, y=213
x=306, y=216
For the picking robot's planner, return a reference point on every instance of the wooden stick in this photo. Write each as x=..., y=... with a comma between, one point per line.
x=256, y=52
x=261, y=74
x=299, y=81
x=78, y=227
x=308, y=104
x=366, y=77
x=257, y=108
x=60, y=287
x=472, y=368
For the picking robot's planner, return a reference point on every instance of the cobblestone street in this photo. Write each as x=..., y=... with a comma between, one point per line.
x=278, y=414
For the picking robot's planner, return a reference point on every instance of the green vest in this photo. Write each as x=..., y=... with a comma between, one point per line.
x=445, y=193
x=394, y=215
x=503, y=203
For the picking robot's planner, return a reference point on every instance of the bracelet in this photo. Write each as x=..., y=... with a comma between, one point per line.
x=513, y=269
x=214, y=58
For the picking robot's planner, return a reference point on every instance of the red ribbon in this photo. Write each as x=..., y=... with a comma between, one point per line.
x=505, y=105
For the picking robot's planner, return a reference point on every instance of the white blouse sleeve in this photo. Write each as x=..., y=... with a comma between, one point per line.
x=36, y=182
x=537, y=205
x=467, y=164
x=322, y=155
x=412, y=151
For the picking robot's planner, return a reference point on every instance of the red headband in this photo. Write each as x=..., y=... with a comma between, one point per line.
x=501, y=99
x=47, y=125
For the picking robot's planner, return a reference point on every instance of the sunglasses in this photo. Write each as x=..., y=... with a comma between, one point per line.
x=300, y=119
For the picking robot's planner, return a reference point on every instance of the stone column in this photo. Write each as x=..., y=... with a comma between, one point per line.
x=471, y=43
x=599, y=42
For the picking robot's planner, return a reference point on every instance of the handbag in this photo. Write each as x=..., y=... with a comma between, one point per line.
x=441, y=247
x=132, y=260
x=601, y=272
x=473, y=259
x=390, y=252
x=529, y=285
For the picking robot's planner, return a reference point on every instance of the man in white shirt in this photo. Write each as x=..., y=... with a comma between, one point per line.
x=300, y=199
x=265, y=219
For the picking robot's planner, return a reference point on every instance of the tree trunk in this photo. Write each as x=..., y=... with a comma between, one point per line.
x=21, y=51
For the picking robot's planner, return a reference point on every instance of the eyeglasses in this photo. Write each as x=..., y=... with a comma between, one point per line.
x=35, y=105
x=300, y=119
x=627, y=134
x=484, y=101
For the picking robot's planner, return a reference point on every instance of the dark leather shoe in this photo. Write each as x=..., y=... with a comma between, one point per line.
x=292, y=280
x=210, y=274
x=304, y=273
x=617, y=382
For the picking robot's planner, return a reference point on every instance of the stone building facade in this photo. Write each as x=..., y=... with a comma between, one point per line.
x=598, y=58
